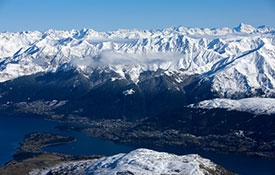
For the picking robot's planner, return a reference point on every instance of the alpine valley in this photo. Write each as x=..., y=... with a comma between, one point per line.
x=206, y=89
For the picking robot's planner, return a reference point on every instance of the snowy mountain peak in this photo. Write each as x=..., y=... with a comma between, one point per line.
x=245, y=28
x=140, y=161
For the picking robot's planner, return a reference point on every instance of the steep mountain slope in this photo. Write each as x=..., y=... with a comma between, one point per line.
x=140, y=161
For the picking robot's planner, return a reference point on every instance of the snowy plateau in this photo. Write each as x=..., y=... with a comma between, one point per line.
x=138, y=162
x=228, y=63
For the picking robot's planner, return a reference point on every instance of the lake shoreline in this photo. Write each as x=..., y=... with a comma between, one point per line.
x=132, y=133
x=30, y=155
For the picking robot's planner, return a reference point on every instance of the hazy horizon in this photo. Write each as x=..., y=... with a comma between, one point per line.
x=109, y=15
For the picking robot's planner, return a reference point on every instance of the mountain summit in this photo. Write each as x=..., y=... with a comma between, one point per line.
x=245, y=28
x=140, y=161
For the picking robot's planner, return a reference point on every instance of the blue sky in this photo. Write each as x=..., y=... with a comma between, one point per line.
x=106, y=15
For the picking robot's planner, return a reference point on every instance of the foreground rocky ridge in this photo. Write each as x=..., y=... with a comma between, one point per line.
x=140, y=161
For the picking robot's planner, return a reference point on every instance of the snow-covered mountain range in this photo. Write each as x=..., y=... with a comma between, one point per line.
x=227, y=63
x=140, y=161
x=239, y=59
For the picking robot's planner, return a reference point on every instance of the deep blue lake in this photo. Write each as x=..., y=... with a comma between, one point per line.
x=13, y=129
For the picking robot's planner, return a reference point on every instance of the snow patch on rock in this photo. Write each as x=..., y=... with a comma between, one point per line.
x=128, y=92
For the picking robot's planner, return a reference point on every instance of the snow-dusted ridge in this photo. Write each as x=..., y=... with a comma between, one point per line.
x=238, y=60
x=252, y=105
x=140, y=161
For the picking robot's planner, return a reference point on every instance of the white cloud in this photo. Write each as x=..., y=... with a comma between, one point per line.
x=152, y=60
